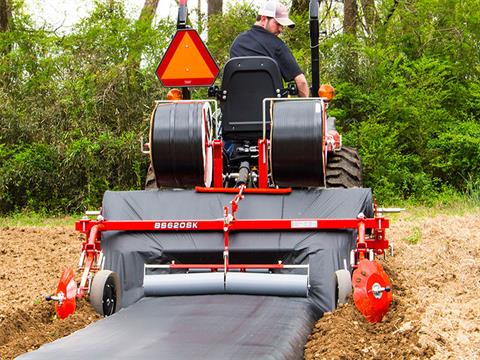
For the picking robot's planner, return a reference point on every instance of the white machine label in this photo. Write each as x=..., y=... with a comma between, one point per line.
x=176, y=225
x=317, y=108
x=304, y=224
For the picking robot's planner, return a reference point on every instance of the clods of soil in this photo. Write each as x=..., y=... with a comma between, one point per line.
x=435, y=311
x=436, y=298
x=31, y=262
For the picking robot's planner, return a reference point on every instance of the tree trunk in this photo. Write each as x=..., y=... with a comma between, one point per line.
x=145, y=19
x=370, y=14
x=215, y=7
x=350, y=28
x=148, y=11
x=299, y=6
x=199, y=17
x=350, y=17
x=391, y=12
x=5, y=15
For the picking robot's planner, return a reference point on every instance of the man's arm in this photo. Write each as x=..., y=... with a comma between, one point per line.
x=302, y=85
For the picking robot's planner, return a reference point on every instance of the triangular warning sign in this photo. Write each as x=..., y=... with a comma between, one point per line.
x=187, y=62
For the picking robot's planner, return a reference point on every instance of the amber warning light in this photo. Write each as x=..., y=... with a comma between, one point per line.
x=187, y=62
x=326, y=91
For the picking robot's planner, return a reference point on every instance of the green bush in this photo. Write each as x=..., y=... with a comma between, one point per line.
x=40, y=177
x=456, y=154
x=30, y=177
x=225, y=28
x=72, y=107
x=93, y=166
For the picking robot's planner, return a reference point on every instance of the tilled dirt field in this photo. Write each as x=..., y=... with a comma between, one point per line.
x=436, y=298
x=435, y=313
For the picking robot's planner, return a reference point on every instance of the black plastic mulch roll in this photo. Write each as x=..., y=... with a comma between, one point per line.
x=177, y=137
x=296, y=143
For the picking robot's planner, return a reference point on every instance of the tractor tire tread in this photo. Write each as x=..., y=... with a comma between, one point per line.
x=344, y=169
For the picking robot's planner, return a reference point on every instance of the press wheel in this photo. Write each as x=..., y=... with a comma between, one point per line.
x=344, y=286
x=105, y=293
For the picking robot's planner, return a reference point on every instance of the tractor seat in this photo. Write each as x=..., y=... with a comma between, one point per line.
x=246, y=82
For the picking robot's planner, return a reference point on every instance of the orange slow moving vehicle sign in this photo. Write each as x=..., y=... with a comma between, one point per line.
x=187, y=62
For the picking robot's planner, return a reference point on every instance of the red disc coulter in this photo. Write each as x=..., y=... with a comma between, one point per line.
x=66, y=293
x=371, y=290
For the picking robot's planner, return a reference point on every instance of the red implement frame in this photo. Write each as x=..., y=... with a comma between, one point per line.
x=368, y=243
x=217, y=150
x=229, y=223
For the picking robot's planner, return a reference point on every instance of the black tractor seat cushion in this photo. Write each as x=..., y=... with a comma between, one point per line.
x=246, y=82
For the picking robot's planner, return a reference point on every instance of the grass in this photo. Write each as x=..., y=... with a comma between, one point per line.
x=457, y=208
x=415, y=237
x=447, y=205
x=441, y=204
x=29, y=219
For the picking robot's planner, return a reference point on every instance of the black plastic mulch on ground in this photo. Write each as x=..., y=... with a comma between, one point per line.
x=193, y=327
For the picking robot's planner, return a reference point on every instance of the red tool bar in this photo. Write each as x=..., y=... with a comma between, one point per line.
x=267, y=191
x=304, y=224
x=237, y=225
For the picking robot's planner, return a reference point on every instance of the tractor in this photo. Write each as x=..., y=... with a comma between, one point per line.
x=249, y=192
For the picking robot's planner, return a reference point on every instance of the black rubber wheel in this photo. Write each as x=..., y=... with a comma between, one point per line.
x=105, y=293
x=344, y=169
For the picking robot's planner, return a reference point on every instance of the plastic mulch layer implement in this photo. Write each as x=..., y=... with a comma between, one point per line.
x=189, y=268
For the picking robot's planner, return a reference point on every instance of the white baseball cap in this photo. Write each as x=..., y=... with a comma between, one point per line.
x=276, y=10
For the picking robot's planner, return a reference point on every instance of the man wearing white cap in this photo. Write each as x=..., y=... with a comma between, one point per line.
x=262, y=40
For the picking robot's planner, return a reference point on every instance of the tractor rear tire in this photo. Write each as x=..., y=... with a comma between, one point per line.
x=106, y=293
x=150, y=181
x=344, y=169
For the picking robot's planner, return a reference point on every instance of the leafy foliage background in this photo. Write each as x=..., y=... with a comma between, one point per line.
x=73, y=106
